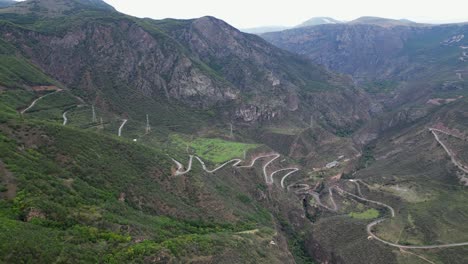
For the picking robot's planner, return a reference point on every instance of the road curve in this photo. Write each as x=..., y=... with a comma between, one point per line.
x=306, y=189
x=392, y=211
x=37, y=100
x=65, y=119
x=180, y=167
x=235, y=164
x=358, y=187
x=449, y=152
x=122, y=126
x=376, y=222
x=303, y=188
x=445, y=132
x=292, y=171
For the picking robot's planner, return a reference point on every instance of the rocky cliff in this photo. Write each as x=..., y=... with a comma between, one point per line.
x=108, y=58
x=372, y=48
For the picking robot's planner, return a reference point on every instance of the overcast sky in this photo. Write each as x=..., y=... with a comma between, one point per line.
x=254, y=13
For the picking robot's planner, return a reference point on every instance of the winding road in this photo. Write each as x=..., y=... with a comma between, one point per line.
x=122, y=126
x=392, y=211
x=306, y=189
x=235, y=164
x=449, y=152
x=37, y=100
x=376, y=222
x=65, y=119
x=319, y=201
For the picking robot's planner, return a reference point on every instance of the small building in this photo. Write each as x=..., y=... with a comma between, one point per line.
x=332, y=164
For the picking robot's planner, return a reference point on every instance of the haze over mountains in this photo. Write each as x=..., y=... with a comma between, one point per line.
x=311, y=22
x=134, y=140
x=316, y=21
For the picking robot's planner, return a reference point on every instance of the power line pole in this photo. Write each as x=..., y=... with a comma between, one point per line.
x=148, y=127
x=94, y=114
x=232, y=133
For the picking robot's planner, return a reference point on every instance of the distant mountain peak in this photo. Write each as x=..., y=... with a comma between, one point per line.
x=266, y=29
x=55, y=7
x=384, y=22
x=315, y=21
x=6, y=3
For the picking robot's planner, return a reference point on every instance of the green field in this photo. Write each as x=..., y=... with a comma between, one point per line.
x=213, y=149
x=366, y=215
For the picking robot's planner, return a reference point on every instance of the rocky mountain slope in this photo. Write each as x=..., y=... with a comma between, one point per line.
x=199, y=63
x=417, y=73
x=54, y=8
x=378, y=49
x=94, y=107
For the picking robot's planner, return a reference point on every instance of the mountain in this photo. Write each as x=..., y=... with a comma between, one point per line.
x=403, y=68
x=384, y=22
x=261, y=30
x=6, y=3
x=199, y=63
x=372, y=51
x=53, y=8
x=96, y=107
x=311, y=22
x=418, y=73
x=315, y=21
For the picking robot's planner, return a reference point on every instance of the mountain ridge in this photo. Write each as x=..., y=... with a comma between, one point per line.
x=56, y=8
x=315, y=21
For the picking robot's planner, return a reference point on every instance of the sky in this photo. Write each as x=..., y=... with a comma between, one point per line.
x=255, y=13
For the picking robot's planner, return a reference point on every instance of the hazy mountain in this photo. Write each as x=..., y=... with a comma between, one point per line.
x=261, y=30
x=384, y=22
x=311, y=22
x=6, y=3
x=375, y=49
x=315, y=21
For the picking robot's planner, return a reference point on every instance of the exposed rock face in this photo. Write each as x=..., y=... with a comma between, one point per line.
x=401, y=118
x=249, y=113
x=121, y=54
x=201, y=63
x=360, y=50
x=274, y=80
x=373, y=49
x=400, y=63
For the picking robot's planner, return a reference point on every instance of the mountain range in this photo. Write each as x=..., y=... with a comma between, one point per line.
x=316, y=21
